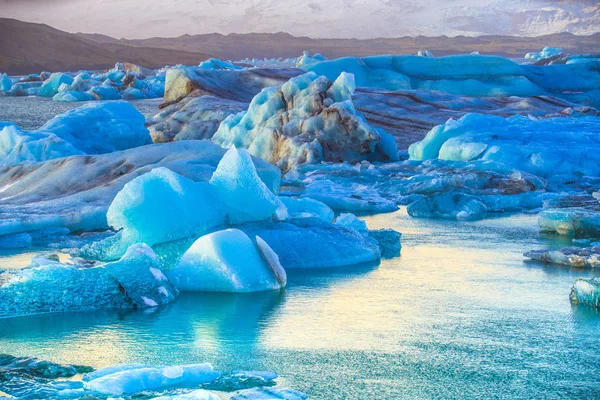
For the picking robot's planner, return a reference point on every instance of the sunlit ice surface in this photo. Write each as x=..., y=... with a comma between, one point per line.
x=459, y=315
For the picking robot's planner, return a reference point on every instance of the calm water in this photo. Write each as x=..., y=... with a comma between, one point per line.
x=459, y=315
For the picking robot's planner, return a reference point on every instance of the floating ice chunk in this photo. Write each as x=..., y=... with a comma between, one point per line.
x=102, y=127
x=17, y=146
x=139, y=379
x=228, y=261
x=546, y=52
x=53, y=286
x=5, y=83
x=425, y=53
x=587, y=292
x=350, y=221
x=314, y=243
x=72, y=96
x=40, y=368
x=161, y=206
x=240, y=380
x=588, y=257
x=306, y=208
x=577, y=222
x=388, y=241
x=270, y=394
x=307, y=59
x=103, y=92
x=302, y=122
x=199, y=394
x=30, y=378
x=215, y=63
x=241, y=190
x=556, y=148
x=450, y=205
x=50, y=87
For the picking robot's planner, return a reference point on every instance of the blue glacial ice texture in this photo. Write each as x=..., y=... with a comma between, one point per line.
x=586, y=292
x=558, y=149
x=469, y=75
x=145, y=378
x=101, y=127
x=228, y=261
x=134, y=281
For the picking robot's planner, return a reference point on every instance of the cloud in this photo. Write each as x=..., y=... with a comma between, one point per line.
x=334, y=18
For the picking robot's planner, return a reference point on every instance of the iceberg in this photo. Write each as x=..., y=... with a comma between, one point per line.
x=199, y=394
x=228, y=261
x=558, y=149
x=586, y=257
x=39, y=368
x=243, y=193
x=546, y=52
x=307, y=208
x=75, y=192
x=102, y=127
x=575, y=221
x=17, y=146
x=270, y=394
x=215, y=63
x=306, y=59
x=178, y=208
x=51, y=85
x=427, y=53
x=307, y=120
x=239, y=85
x=192, y=118
x=309, y=243
x=586, y=292
x=469, y=75
x=72, y=96
x=5, y=83
x=135, y=281
x=139, y=379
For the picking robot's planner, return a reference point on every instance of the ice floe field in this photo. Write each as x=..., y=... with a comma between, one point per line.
x=380, y=227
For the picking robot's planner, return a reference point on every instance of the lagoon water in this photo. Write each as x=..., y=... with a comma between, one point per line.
x=459, y=315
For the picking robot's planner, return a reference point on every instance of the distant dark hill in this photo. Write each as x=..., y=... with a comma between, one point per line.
x=27, y=48
x=239, y=46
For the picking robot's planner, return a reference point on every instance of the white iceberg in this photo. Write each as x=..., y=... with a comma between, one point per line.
x=228, y=261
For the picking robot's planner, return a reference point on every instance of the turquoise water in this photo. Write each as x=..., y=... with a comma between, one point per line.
x=459, y=315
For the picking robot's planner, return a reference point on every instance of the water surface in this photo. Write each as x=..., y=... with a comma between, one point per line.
x=459, y=315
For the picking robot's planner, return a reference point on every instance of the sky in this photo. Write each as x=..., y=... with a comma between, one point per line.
x=136, y=19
